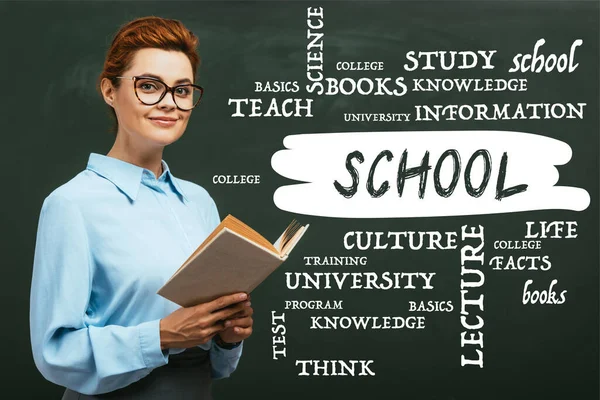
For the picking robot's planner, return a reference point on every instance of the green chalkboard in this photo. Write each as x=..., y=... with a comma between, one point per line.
x=53, y=118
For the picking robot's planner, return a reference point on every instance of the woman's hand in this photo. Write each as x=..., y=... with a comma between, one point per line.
x=239, y=326
x=192, y=326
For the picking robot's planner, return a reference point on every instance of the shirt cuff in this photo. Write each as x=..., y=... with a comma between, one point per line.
x=229, y=353
x=149, y=334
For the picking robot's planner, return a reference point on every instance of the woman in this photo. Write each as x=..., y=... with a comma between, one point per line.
x=112, y=235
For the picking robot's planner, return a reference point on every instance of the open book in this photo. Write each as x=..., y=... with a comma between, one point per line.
x=233, y=258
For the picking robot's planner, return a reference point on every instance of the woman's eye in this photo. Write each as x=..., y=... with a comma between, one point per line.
x=183, y=91
x=147, y=86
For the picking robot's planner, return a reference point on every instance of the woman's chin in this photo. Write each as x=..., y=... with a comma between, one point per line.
x=163, y=137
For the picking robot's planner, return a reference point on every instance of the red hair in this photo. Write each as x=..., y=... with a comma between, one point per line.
x=146, y=32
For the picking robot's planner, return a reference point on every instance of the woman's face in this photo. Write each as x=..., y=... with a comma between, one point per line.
x=139, y=122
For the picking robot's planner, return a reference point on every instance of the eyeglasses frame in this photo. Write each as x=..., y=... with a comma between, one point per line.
x=167, y=89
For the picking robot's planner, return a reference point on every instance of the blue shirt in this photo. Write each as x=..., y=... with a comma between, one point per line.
x=107, y=240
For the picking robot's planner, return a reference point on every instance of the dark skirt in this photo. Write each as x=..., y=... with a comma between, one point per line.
x=187, y=376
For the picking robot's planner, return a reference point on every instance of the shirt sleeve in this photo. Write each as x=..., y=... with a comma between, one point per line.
x=223, y=361
x=66, y=350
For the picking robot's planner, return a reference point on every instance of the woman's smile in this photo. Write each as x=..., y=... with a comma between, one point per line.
x=164, y=122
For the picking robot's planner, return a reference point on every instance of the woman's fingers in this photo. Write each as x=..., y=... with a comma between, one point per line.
x=199, y=324
x=247, y=311
x=242, y=333
x=245, y=322
x=225, y=313
x=224, y=301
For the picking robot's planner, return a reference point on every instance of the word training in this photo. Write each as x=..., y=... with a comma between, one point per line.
x=335, y=260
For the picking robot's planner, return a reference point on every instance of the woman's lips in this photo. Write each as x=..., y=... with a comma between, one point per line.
x=163, y=122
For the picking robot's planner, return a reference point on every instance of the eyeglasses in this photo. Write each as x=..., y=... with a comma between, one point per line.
x=151, y=91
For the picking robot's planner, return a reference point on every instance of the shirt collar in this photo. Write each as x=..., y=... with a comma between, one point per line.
x=127, y=177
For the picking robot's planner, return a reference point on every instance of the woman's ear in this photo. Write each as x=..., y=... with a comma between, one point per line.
x=108, y=91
